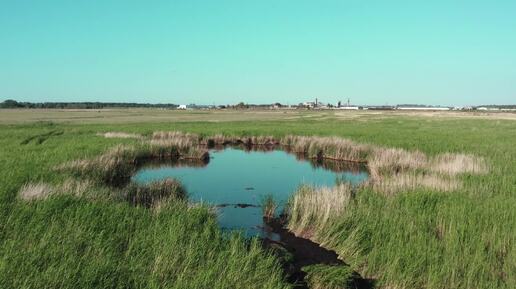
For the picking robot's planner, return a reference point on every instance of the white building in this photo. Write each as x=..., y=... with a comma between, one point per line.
x=309, y=104
x=422, y=108
x=182, y=106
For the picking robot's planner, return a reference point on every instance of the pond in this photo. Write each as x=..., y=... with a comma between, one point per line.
x=236, y=181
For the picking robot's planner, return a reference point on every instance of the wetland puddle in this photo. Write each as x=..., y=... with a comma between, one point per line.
x=236, y=181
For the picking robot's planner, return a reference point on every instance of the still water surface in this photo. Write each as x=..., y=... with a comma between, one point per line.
x=236, y=181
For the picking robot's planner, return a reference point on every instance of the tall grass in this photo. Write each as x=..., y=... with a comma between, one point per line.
x=269, y=207
x=71, y=243
x=453, y=164
x=118, y=164
x=326, y=148
x=150, y=194
x=405, y=182
x=329, y=277
x=311, y=208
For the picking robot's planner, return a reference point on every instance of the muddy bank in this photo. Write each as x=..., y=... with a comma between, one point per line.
x=296, y=253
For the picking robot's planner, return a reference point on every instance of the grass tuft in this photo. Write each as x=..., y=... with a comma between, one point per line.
x=311, y=208
x=151, y=194
x=33, y=191
x=453, y=164
x=118, y=134
x=269, y=207
x=329, y=276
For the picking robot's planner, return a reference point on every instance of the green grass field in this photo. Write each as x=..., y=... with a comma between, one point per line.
x=415, y=239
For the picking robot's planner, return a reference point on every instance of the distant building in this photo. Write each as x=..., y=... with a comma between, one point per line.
x=182, y=106
x=349, y=107
x=309, y=104
x=422, y=108
x=379, y=107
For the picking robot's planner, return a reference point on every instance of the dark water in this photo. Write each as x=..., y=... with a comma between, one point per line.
x=236, y=181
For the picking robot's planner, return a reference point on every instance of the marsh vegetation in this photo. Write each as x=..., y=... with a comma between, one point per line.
x=403, y=228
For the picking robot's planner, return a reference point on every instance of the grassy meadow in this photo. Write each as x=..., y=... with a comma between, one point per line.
x=417, y=238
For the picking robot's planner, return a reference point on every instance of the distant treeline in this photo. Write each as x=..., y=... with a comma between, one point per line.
x=88, y=105
x=503, y=106
x=241, y=105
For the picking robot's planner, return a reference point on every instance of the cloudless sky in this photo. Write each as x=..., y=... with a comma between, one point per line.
x=373, y=52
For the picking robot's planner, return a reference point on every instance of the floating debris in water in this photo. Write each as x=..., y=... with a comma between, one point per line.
x=237, y=205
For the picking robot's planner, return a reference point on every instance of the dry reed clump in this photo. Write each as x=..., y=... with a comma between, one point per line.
x=326, y=148
x=389, y=161
x=35, y=191
x=177, y=148
x=114, y=166
x=342, y=149
x=391, y=169
x=220, y=139
x=410, y=181
x=116, y=134
x=32, y=191
x=117, y=164
x=382, y=162
x=396, y=170
x=75, y=187
x=175, y=144
x=268, y=207
x=177, y=139
x=167, y=135
x=310, y=207
x=263, y=140
x=153, y=193
x=296, y=144
x=453, y=164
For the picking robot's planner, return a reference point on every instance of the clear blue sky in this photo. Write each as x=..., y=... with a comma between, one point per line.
x=374, y=52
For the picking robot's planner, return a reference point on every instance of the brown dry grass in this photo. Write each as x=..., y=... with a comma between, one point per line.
x=388, y=161
x=316, y=206
x=391, y=170
x=453, y=164
x=220, y=139
x=411, y=181
x=326, y=148
x=117, y=164
x=117, y=134
x=35, y=191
